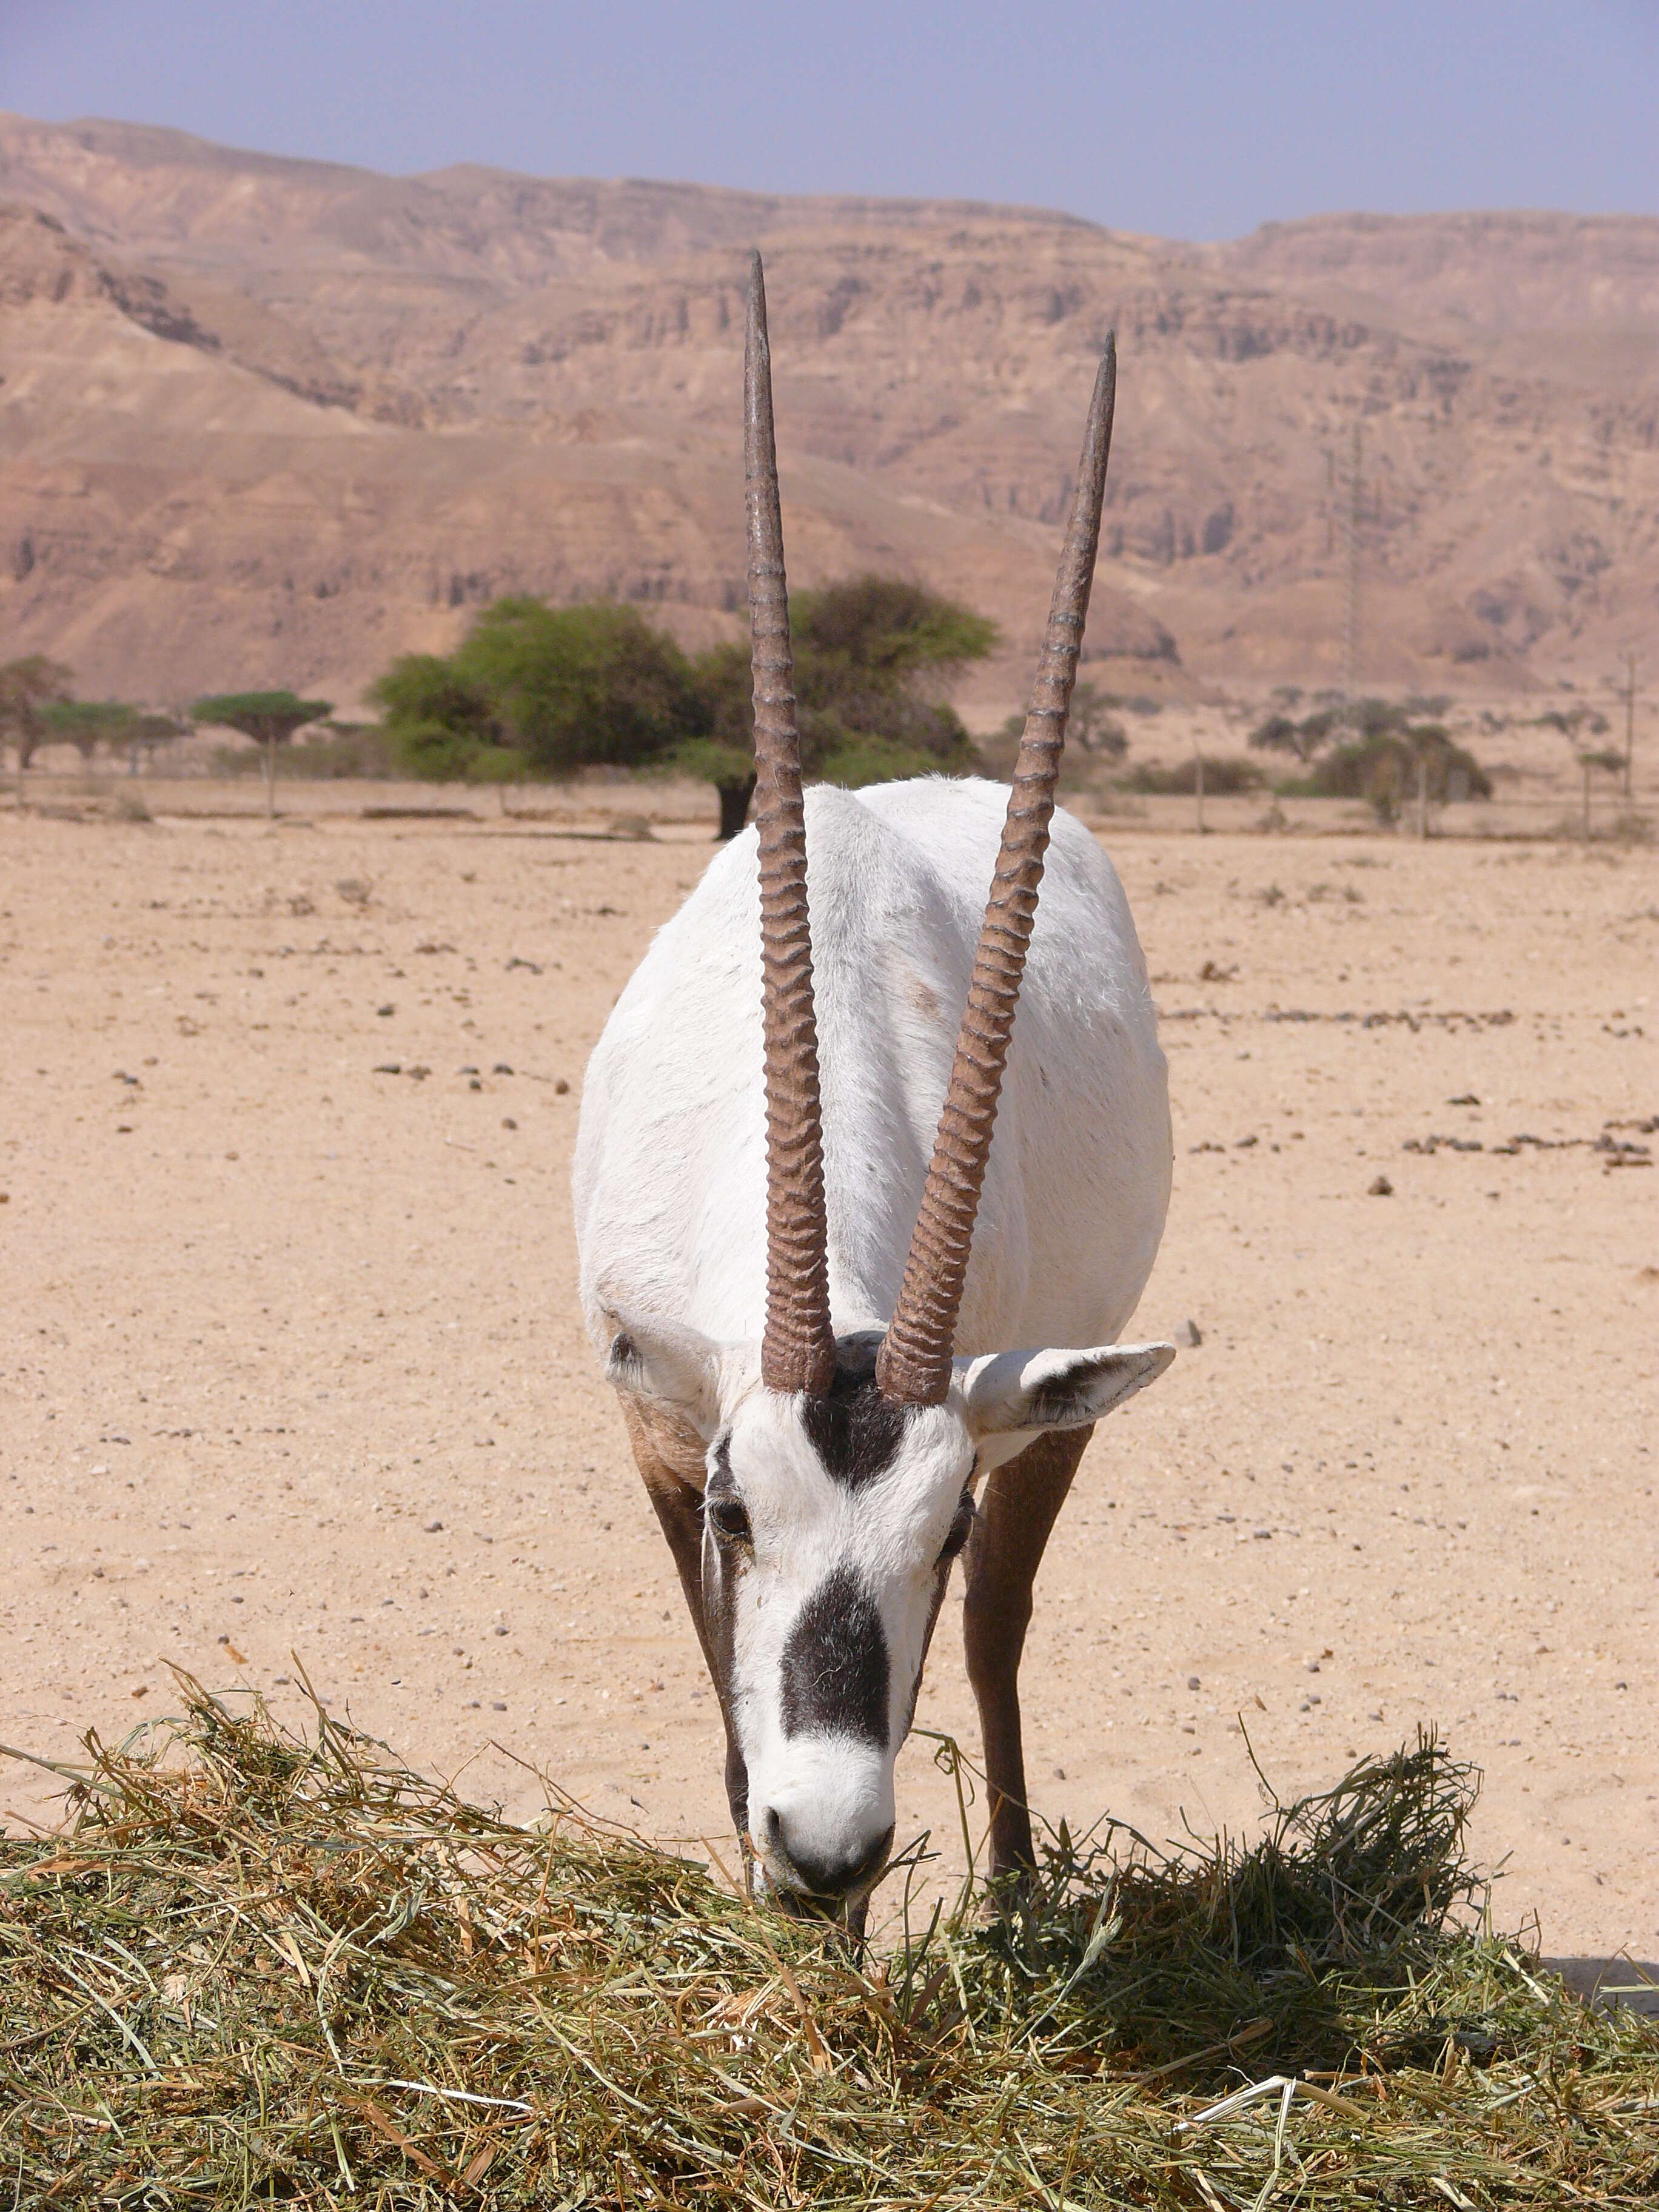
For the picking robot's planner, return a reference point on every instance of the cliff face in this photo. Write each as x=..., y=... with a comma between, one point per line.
x=269, y=421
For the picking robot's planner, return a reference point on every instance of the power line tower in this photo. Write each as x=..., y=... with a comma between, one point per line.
x=1350, y=600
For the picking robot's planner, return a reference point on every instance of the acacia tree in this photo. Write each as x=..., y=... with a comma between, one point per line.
x=147, y=730
x=1577, y=725
x=1091, y=722
x=28, y=688
x=79, y=723
x=1302, y=740
x=87, y=723
x=270, y=718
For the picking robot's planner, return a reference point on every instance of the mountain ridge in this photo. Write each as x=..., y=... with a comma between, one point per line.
x=519, y=383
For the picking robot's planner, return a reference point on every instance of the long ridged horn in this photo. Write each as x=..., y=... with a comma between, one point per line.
x=798, y=1350
x=914, y=1367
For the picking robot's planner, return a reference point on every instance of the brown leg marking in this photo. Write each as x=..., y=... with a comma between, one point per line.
x=1017, y=1513
x=678, y=1507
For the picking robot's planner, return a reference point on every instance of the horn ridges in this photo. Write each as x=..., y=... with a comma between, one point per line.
x=798, y=1350
x=914, y=1366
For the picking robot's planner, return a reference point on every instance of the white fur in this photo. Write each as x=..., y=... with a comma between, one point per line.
x=670, y=1175
x=832, y=1793
x=669, y=1188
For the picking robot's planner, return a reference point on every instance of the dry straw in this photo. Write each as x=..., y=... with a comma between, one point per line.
x=256, y=1969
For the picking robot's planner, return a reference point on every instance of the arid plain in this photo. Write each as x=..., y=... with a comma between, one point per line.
x=295, y=1371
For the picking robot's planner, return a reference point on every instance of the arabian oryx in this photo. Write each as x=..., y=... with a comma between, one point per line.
x=833, y=1394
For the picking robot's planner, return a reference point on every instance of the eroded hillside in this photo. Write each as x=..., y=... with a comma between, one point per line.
x=279, y=419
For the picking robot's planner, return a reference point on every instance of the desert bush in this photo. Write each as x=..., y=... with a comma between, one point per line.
x=1335, y=715
x=1091, y=730
x=872, y=657
x=580, y=686
x=1224, y=774
x=1383, y=769
x=345, y=750
x=1573, y=722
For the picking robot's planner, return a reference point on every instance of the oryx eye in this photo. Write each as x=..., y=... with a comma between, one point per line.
x=729, y=1520
x=961, y=1528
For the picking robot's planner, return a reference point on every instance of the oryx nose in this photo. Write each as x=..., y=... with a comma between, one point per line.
x=815, y=1872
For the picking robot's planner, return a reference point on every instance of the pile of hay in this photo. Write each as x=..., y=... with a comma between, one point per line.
x=263, y=1970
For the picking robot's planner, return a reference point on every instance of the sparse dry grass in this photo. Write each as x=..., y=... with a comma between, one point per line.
x=256, y=1969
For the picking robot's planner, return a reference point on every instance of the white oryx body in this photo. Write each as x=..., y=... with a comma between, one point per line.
x=817, y=1617
x=670, y=1178
x=855, y=1271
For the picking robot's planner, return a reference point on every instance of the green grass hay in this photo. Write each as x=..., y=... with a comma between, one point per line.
x=257, y=1969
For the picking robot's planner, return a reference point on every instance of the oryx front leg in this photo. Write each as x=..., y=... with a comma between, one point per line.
x=1017, y=1513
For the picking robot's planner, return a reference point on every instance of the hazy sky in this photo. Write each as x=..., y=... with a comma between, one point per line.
x=1191, y=120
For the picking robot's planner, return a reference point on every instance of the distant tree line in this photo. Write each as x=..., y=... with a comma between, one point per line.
x=38, y=707
x=540, y=691
x=1375, y=751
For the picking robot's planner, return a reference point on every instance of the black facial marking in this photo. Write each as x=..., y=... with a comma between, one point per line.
x=855, y=1431
x=835, y=1664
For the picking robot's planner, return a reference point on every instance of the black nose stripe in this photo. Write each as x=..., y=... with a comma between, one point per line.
x=835, y=1664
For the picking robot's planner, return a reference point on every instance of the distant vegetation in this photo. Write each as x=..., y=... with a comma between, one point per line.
x=1090, y=725
x=1224, y=776
x=270, y=718
x=28, y=688
x=331, y=753
x=127, y=730
x=1377, y=751
x=534, y=690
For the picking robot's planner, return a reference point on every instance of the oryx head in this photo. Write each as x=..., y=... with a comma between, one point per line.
x=840, y=1472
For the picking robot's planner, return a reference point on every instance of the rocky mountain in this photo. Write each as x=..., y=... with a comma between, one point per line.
x=265, y=420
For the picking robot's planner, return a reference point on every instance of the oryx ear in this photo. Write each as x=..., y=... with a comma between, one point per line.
x=677, y=1367
x=1010, y=1391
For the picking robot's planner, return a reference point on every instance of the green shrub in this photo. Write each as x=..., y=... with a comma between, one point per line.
x=537, y=690
x=581, y=686
x=1224, y=776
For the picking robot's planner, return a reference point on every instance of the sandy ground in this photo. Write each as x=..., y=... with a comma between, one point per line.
x=293, y=1365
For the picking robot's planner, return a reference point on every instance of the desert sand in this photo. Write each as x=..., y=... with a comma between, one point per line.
x=296, y=1375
